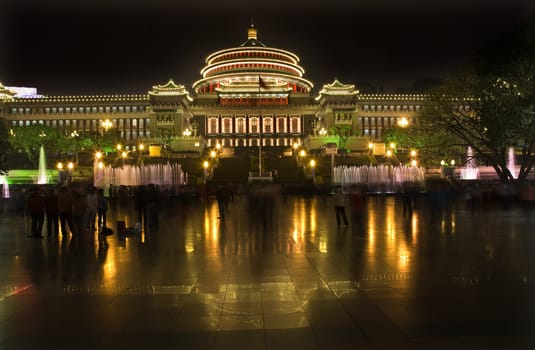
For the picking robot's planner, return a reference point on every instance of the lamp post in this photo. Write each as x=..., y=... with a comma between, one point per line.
x=302, y=155
x=70, y=167
x=141, y=148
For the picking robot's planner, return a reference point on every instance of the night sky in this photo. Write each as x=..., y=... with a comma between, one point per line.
x=84, y=47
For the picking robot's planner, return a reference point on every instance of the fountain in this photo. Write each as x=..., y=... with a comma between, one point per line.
x=511, y=162
x=380, y=178
x=471, y=170
x=164, y=175
x=42, y=177
x=5, y=186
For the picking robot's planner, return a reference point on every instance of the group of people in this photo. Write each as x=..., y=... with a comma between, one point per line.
x=80, y=208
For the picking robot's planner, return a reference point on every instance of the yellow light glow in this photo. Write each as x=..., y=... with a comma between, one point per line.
x=413, y=153
x=296, y=145
x=388, y=153
x=59, y=166
x=100, y=165
x=213, y=154
x=452, y=162
x=370, y=145
x=312, y=163
x=119, y=147
x=414, y=162
x=443, y=162
x=123, y=154
x=302, y=153
x=141, y=147
x=98, y=155
x=70, y=166
x=403, y=122
x=205, y=164
x=392, y=145
x=218, y=146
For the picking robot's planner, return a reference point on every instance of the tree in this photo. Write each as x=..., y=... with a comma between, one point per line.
x=30, y=139
x=4, y=146
x=490, y=113
x=343, y=132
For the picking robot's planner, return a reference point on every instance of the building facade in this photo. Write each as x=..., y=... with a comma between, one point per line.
x=247, y=96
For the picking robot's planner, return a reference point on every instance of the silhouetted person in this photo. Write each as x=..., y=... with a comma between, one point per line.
x=79, y=211
x=340, y=202
x=357, y=205
x=65, y=209
x=36, y=207
x=91, y=208
x=52, y=213
x=102, y=208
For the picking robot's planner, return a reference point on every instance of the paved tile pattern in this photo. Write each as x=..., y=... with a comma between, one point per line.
x=282, y=279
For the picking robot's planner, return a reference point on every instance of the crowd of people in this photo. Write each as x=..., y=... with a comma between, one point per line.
x=68, y=209
x=75, y=209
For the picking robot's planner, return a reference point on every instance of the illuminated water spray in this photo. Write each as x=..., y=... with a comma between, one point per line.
x=42, y=177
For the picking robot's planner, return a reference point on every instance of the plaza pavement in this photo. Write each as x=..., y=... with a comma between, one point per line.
x=433, y=280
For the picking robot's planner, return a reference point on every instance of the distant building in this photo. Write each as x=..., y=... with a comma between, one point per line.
x=247, y=94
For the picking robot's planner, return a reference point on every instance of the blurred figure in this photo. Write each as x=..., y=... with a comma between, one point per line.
x=36, y=206
x=65, y=209
x=79, y=211
x=340, y=202
x=357, y=204
x=92, y=204
x=52, y=213
x=102, y=208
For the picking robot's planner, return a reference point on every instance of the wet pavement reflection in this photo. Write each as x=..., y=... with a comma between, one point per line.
x=275, y=272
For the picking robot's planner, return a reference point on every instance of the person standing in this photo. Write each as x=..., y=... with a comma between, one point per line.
x=102, y=208
x=340, y=206
x=92, y=205
x=79, y=211
x=65, y=209
x=357, y=203
x=36, y=206
x=51, y=208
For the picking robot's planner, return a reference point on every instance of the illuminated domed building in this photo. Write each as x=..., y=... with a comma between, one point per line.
x=248, y=95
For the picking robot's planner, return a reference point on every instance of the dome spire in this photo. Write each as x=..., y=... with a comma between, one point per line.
x=251, y=32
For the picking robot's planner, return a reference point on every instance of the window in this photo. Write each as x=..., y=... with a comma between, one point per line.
x=294, y=124
x=212, y=125
x=240, y=125
x=268, y=125
x=227, y=126
x=253, y=128
x=281, y=124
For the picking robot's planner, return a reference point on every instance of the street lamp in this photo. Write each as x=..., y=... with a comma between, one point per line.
x=106, y=124
x=302, y=155
x=403, y=122
x=313, y=168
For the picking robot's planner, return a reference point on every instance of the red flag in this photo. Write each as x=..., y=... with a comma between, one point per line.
x=262, y=83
